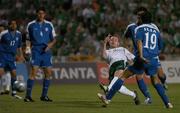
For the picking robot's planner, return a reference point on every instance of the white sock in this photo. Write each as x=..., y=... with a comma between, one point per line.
x=112, y=82
x=126, y=91
x=7, y=83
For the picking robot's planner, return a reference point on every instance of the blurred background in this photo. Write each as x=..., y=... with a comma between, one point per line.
x=81, y=25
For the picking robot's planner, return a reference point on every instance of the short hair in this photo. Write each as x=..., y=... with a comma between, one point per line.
x=41, y=9
x=10, y=21
x=141, y=8
x=146, y=17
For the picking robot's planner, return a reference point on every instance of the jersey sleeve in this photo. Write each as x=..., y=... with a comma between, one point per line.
x=138, y=34
x=107, y=57
x=27, y=32
x=53, y=33
x=129, y=55
x=127, y=33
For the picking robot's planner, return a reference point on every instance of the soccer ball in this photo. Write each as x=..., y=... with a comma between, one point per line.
x=19, y=86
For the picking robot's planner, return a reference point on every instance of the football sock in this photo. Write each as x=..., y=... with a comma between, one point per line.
x=7, y=82
x=112, y=82
x=143, y=88
x=126, y=91
x=13, y=79
x=30, y=84
x=46, y=84
x=116, y=86
x=161, y=92
x=162, y=78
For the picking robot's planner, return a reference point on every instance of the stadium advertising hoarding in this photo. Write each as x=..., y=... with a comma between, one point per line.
x=172, y=71
x=85, y=72
x=74, y=73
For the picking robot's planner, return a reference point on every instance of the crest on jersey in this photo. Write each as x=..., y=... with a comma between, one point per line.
x=46, y=29
x=17, y=38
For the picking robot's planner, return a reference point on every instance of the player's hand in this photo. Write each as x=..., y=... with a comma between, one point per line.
x=106, y=40
x=28, y=50
x=47, y=49
x=144, y=60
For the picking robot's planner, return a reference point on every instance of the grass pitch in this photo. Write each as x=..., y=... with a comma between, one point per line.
x=82, y=98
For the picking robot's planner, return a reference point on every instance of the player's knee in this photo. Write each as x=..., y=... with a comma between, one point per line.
x=155, y=80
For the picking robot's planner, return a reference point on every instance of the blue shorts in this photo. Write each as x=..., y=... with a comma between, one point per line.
x=41, y=59
x=149, y=68
x=7, y=62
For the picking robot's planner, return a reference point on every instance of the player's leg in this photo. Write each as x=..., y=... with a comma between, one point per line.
x=7, y=83
x=35, y=63
x=30, y=84
x=116, y=86
x=13, y=79
x=159, y=88
x=152, y=71
x=47, y=64
x=162, y=77
x=143, y=87
x=46, y=84
x=123, y=89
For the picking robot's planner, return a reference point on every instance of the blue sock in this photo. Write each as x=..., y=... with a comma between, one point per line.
x=161, y=92
x=162, y=78
x=46, y=84
x=143, y=88
x=117, y=85
x=13, y=79
x=30, y=84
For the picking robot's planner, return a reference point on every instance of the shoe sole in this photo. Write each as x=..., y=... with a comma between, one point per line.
x=102, y=99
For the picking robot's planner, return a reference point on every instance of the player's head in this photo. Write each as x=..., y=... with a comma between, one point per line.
x=140, y=9
x=41, y=13
x=146, y=18
x=2, y=27
x=12, y=25
x=114, y=41
x=138, y=12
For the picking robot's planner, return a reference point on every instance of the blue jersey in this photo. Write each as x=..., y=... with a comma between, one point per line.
x=129, y=33
x=150, y=36
x=40, y=34
x=9, y=42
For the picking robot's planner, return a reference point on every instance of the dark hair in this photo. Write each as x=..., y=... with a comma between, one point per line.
x=146, y=17
x=41, y=9
x=141, y=8
x=10, y=21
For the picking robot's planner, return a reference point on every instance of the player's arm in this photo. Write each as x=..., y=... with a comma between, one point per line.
x=139, y=47
x=50, y=44
x=139, y=38
x=53, y=39
x=28, y=42
x=104, y=53
x=127, y=39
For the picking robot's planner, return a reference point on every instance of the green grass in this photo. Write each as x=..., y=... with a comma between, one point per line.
x=82, y=98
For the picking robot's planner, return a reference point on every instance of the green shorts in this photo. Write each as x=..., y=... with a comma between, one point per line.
x=119, y=65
